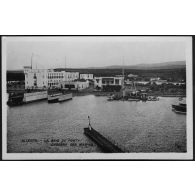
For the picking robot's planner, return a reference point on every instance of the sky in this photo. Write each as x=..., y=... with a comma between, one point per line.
x=91, y=51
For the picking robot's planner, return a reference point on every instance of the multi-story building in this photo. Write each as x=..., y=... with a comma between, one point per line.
x=86, y=76
x=45, y=78
x=35, y=78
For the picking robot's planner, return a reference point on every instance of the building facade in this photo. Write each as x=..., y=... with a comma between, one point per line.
x=101, y=82
x=86, y=76
x=74, y=85
x=46, y=78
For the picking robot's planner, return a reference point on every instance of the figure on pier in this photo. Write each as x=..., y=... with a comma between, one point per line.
x=89, y=123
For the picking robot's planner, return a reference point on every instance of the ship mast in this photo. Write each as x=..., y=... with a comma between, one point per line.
x=123, y=83
x=31, y=60
x=65, y=63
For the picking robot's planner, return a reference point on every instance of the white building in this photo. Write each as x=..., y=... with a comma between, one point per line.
x=104, y=81
x=160, y=82
x=86, y=76
x=44, y=78
x=155, y=79
x=35, y=78
x=74, y=85
x=70, y=76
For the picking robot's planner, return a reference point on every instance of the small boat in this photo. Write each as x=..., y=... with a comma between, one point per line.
x=110, y=98
x=53, y=98
x=153, y=98
x=133, y=99
x=180, y=108
x=180, y=98
x=65, y=97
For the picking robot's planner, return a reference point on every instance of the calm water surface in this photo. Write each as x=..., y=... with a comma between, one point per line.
x=136, y=126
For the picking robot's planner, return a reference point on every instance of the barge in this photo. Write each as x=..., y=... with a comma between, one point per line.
x=180, y=108
x=65, y=97
x=55, y=96
x=24, y=98
x=34, y=96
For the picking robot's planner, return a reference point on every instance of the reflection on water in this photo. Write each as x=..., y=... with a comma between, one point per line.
x=138, y=126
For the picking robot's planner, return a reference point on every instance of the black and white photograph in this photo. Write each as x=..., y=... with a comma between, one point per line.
x=97, y=97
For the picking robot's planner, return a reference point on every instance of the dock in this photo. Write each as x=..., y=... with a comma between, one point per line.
x=106, y=145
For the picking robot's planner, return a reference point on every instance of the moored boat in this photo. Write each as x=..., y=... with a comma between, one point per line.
x=133, y=99
x=65, y=97
x=35, y=96
x=110, y=98
x=53, y=98
x=180, y=108
x=153, y=98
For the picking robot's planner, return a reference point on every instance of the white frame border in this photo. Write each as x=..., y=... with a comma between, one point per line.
x=101, y=156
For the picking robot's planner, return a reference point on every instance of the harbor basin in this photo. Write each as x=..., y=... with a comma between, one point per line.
x=146, y=127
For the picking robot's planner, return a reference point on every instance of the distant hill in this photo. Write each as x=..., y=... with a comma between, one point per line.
x=164, y=65
x=174, y=70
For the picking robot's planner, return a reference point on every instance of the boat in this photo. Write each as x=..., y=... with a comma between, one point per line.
x=180, y=108
x=15, y=99
x=110, y=98
x=53, y=98
x=57, y=95
x=153, y=98
x=65, y=97
x=35, y=96
x=180, y=98
x=133, y=99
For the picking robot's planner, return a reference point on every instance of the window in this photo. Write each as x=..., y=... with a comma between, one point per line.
x=117, y=81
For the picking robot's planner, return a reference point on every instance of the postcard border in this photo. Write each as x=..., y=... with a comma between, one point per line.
x=100, y=156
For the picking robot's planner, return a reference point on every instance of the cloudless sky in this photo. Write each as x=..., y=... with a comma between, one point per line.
x=82, y=52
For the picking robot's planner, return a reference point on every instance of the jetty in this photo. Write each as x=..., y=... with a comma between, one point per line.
x=106, y=145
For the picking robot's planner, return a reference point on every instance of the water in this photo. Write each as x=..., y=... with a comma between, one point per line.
x=137, y=126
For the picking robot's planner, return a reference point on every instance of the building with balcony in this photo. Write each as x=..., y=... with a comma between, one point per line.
x=78, y=85
x=86, y=76
x=108, y=83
